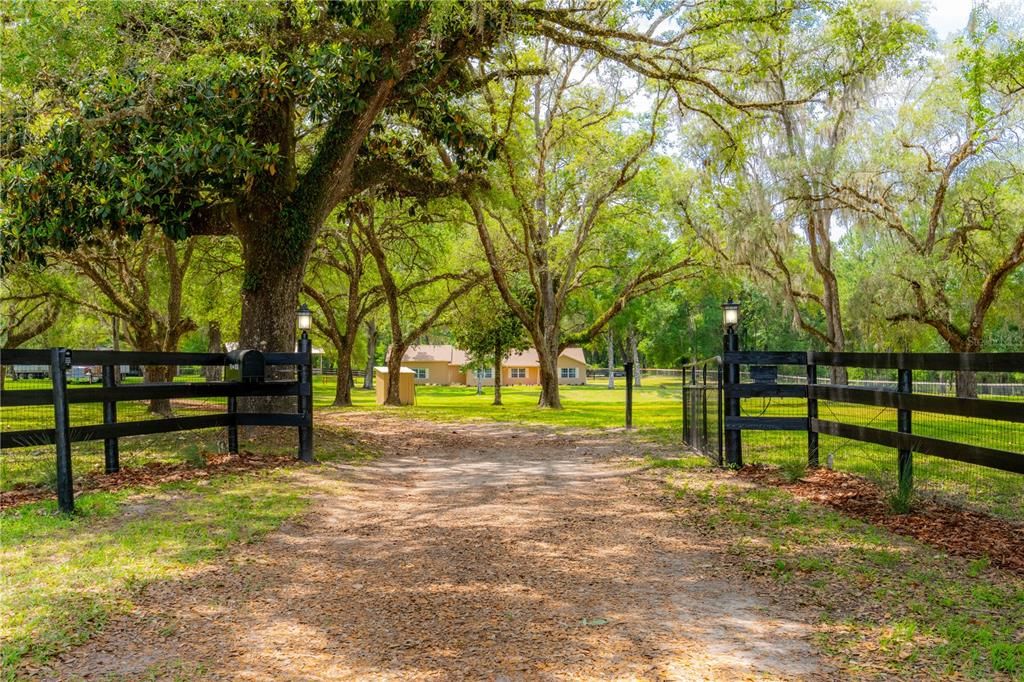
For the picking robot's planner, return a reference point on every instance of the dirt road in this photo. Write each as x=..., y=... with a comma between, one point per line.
x=464, y=552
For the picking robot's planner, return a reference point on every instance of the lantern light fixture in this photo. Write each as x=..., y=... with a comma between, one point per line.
x=304, y=318
x=730, y=315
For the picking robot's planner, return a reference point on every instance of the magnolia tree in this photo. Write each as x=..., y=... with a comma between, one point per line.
x=254, y=120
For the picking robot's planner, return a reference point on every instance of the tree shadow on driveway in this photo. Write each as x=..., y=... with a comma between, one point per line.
x=486, y=552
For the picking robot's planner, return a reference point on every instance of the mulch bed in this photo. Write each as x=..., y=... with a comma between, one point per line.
x=153, y=473
x=961, y=532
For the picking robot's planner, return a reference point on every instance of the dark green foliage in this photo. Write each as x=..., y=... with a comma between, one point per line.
x=487, y=330
x=202, y=105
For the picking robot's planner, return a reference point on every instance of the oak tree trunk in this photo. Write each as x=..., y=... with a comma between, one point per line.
x=214, y=344
x=270, y=295
x=343, y=389
x=966, y=384
x=371, y=354
x=497, y=375
x=611, y=360
x=967, y=381
x=394, y=373
x=159, y=374
x=548, y=361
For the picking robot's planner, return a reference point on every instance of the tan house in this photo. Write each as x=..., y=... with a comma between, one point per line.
x=443, y=365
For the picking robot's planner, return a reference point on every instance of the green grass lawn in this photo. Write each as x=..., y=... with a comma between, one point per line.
x=656, y=406
x=994, y=491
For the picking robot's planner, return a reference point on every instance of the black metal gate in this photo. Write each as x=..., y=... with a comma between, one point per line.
x=702, y=408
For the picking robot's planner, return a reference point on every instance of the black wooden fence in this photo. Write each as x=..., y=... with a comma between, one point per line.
x=56, y=363
x=901, y=397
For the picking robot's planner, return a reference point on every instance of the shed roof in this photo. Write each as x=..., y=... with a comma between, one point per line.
x=233, y=346
x=384, y=370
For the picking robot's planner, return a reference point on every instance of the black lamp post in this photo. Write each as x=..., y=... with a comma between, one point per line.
x=731, y=344
x=304, y=321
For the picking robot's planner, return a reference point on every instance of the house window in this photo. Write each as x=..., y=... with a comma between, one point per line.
x=485, y=373
x=421, y=372
x=518, y=372
x=568, y=372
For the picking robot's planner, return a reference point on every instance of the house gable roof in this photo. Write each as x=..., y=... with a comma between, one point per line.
x=529, y=357
x=456, y=356
x=427, y=353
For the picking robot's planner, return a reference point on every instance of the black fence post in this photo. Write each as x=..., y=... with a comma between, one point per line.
x=305, y=401
x=233, y=425
x=721, y=426
x=812, y=412
x=629, y=394
x=686, y=432
x=733, y=440
x=111, y=455
x=695, y=396
x=704, y=407
x=60, y=360
x=905, y=459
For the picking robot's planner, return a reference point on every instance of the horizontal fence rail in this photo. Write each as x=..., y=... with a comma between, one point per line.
x=257, y=379
x=767, y=382
x=970, y=362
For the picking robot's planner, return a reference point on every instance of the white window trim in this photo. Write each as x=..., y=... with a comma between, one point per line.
x=517, y=372
x=425, y=370
x=487, y=373
x=567, y=372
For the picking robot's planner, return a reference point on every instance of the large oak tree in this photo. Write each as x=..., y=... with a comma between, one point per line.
x=940, y=191
x=571, y=151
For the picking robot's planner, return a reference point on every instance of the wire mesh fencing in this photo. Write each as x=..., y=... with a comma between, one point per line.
x=170, y=413
x=962, y=450
x=32, y=463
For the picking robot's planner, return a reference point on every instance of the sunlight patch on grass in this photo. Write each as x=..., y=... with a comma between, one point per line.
x=675, y=462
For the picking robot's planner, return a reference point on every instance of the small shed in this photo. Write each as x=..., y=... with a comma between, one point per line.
x=406, y=385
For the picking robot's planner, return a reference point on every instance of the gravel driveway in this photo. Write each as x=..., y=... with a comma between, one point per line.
x=486, y=551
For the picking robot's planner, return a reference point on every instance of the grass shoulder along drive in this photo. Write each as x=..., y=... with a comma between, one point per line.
x=884, y=606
